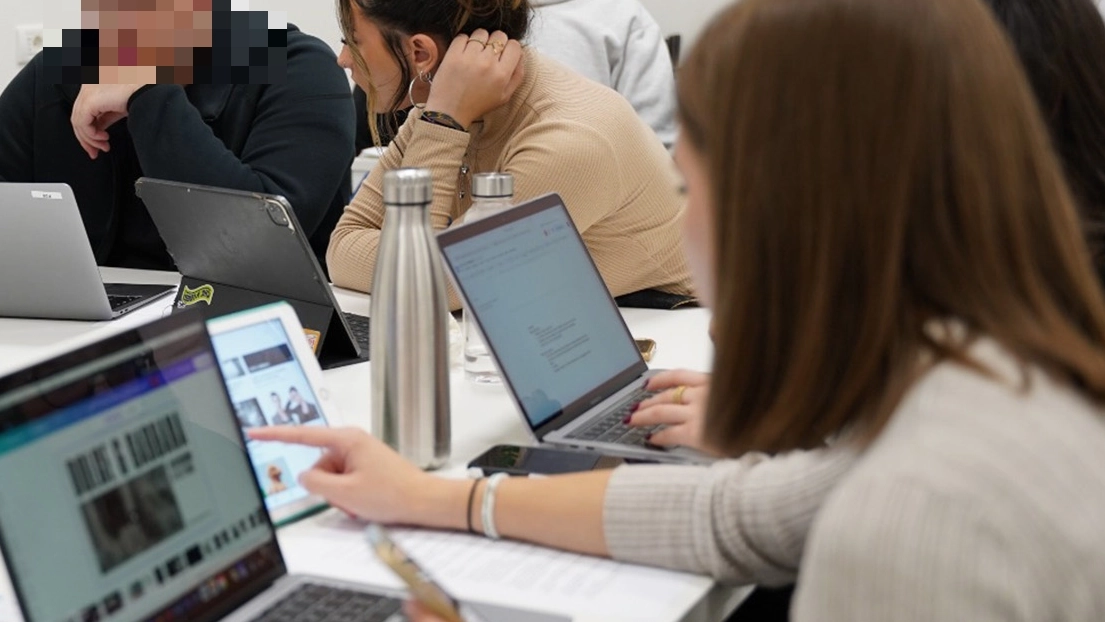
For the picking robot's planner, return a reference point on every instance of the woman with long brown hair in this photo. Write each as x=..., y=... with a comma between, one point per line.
x=878, y=221
x=1061, y=44
x=482, y=102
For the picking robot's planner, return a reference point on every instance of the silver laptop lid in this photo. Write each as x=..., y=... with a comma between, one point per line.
x=50, y=270
x=555, y=332
x=125, y=490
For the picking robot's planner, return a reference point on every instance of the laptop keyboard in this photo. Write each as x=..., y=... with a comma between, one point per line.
x=118, y=301
x=311, y=602
x=359, y=325
x=610, y=427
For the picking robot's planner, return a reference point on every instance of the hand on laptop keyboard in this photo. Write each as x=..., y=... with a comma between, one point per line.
x=674, y=415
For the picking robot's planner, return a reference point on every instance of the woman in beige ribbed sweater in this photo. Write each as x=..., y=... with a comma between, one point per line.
x=487, y=104
x=923, y=298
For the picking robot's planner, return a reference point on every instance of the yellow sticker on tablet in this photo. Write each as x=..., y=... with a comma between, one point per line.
x=203, y=293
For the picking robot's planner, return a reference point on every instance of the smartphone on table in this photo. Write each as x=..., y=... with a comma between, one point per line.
x=518, y=460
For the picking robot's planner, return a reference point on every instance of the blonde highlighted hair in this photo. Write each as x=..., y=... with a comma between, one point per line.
x=440, y=19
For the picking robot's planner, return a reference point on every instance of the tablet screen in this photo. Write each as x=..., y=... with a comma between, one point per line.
x=268, y=386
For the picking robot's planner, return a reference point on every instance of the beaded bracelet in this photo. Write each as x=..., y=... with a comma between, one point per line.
x=471, y=498
x=442, y=119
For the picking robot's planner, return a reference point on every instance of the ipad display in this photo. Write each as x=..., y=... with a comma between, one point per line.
x=265, y=375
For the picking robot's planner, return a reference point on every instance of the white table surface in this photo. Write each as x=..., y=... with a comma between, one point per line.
x=482, y=416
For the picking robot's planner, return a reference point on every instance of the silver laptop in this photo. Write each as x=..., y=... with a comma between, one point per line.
x=555, y=333
x=128, y=494
x=49, y=268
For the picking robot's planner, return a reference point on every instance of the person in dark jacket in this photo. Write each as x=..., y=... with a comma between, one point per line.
x=1061, y=44
x=293, y=137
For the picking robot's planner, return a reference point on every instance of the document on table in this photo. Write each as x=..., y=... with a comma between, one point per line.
x=504, y=573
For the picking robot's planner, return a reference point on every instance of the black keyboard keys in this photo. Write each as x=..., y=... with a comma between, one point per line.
x=321, y=603
x=118, y=301
x=360, y=327
x=611, y=427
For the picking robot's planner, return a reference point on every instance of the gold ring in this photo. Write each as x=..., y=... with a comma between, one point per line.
x=677, y=395
x=497, y=46
x=480, y=41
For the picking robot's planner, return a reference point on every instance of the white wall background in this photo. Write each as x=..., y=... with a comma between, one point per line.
x=12, y=13
x=316, y=17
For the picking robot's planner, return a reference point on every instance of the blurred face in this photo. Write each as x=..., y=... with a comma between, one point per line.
x=383, y=70
x=698, y=222
x=139, y=35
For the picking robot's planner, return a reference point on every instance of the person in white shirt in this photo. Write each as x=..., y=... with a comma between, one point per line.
x=616, y=43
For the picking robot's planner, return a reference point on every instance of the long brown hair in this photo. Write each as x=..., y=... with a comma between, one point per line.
x=440, y=19
x=876, y=164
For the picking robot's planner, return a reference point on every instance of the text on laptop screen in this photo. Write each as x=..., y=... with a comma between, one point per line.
x=267, y=386
x=545, y=312
x=124, y=487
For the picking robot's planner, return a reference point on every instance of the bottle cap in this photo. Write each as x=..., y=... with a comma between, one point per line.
x=408, y=186
x=493, y=185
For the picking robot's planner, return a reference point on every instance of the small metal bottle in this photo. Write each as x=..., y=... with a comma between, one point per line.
x=491, y=193
x=409, y=330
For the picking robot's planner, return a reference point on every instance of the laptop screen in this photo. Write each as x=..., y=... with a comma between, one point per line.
x=544, y=309
x=125, y=490
x=268, y=386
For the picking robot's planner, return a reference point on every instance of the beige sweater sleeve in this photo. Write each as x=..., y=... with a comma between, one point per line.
x=553, y=156
x=899, y=549
x=740, y=521
x=351, y=256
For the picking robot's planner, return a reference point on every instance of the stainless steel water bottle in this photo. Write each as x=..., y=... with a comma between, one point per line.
x=491, y=193
x=409, y=330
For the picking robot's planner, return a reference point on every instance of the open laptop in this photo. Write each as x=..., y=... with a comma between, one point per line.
x=127, y=494
x=555, y=333
x=238, y=250
x=273, y=379
x=50, y=270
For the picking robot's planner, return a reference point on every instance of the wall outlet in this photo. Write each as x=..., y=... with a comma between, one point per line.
x=28, y=42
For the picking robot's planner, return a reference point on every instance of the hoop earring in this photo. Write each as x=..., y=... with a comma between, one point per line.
x=428, y=79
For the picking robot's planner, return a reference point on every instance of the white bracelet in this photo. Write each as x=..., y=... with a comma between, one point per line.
x=487, y=509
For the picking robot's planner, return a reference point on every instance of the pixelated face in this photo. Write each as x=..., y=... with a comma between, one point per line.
x=148, y=33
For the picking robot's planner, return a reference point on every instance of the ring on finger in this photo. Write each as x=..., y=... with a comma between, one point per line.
x=497, y=47
x=677, y=394
x=480, y=41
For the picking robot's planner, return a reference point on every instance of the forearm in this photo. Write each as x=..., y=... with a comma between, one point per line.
x=351, y=256
x=740, y=521
x=173, y=141
x=563, y=512
x=297, y=146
